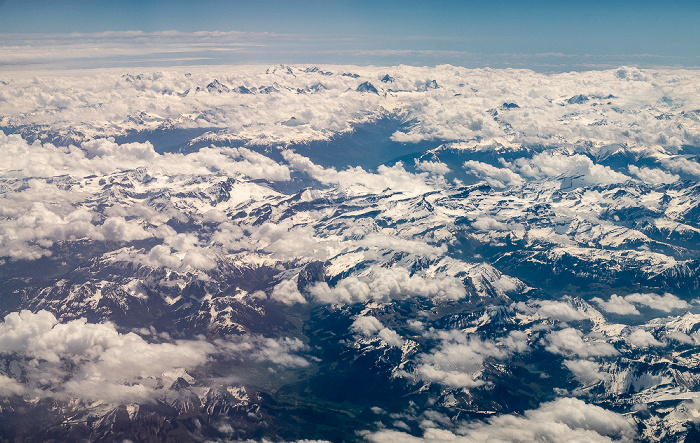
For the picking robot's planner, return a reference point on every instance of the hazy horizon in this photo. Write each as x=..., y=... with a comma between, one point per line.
x=540, y=36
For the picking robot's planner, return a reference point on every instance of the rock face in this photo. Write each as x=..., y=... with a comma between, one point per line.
x=367, y=87
x=248, y=289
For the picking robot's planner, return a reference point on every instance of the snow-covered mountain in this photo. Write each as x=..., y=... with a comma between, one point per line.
x=347, y=253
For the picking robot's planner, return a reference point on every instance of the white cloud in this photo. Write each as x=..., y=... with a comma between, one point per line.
x=391, y=337
x=366, y=325
x=653, y=176
x=34, y=228
x=91, y=362
x=625, y=305
x=358, y=180
x=109, y=366
x=679, y=337
x=280, y=352
x=616, y=305
x=667, y=302
x=10, y=387
x=558, y=311
x=496, y=177
x=487, y=223
x=287, y=292
x=103, y=156
x=569, y=342
x=383, y=284
x=642, y=339
x=585, y=371
x=564, y=419
x=433, y=167
x=681, y=164
x=369, y=326
x=557, y=164
x=459, y=358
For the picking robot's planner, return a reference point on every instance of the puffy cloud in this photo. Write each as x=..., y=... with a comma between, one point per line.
x=366, y=325
x=358, y=180
x=280, y=352
x=104, y=156
x=552, y=309
x=282, y=240
x=118, y=229
x=391, y=337
x=642, y=339
x=287, y=292
x=33, y=229
x=91, y=362
x=569, y=342
x=681, y=164
x=189, y=256
x=653, y=176
x=625, y=305
x=107, y=365
x=383, y=284
x=557, y=164
x=433, y=167
x=667, y=302
x=10, y=386
x=585, y=371
x=458, y=360
x=679, y=337
x=369, y=326
x=487, y=223
x=198, y=260
x=395, y=243
x=558, y=311
x=496, y=177
x=616, y=305
x=468, y=106
x=564, y=419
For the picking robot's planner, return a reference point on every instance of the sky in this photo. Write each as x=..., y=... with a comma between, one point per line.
x=497, y=33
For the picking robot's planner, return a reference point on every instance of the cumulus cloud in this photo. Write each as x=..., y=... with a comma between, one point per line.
x=108, y=365
x=366, y=325
x=282, y=352
x=104, y=156
x=625, y=305
x=653, y=176
x=667, y=302
x=642, y=339
x=433, y=167
x=91, y=362
x=496, y=177
x=564, y=419
x=369, y=326
x=585, y=371
x=683, y=165
x=552, y=309
x=358, y=180
x=557, y=164
x=384, y=284
x=458, y=360
x=558, y=311
x=34, y=229
x=286, y=292
x=616, y=305
x=569, y=342
x=49, y=209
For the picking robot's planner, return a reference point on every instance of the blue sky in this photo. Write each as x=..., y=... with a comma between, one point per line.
x=594, y=32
